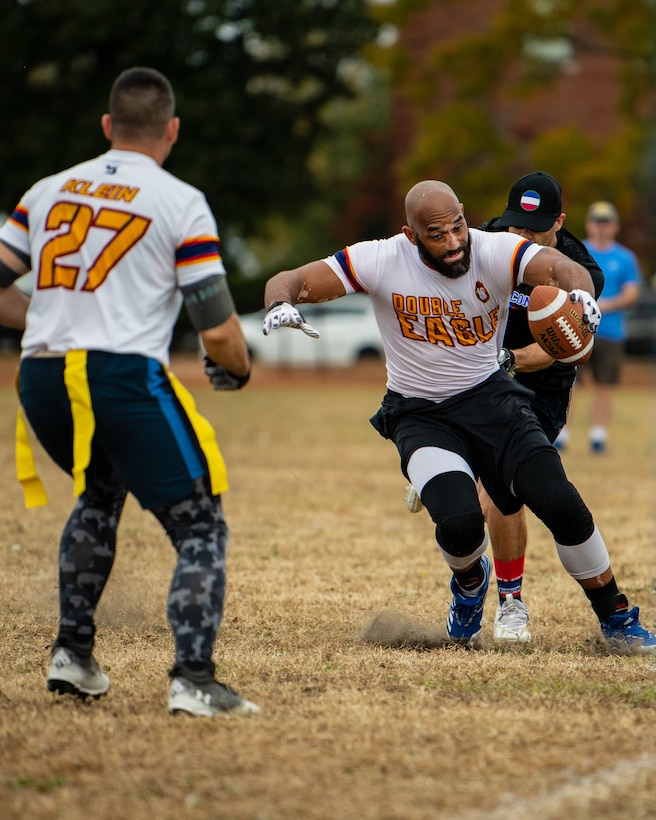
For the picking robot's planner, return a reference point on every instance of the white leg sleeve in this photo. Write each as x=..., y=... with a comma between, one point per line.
x=585, y=560
x=458, y=564
x=427, y=462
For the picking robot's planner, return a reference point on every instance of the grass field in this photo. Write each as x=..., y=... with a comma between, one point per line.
x=334, y=618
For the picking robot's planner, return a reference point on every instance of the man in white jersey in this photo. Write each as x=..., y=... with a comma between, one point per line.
x=117, y=245
x=439, y=292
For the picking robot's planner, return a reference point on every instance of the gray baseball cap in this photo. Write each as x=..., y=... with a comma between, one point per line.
x=602, y=212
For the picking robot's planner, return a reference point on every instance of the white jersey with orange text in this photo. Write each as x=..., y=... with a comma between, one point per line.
x=438, y=333
x=111, y=241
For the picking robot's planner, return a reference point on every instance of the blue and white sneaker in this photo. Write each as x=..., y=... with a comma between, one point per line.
x=466, y=613
x=624, y=633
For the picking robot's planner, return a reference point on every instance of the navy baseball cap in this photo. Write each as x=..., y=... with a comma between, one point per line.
x=534, y=202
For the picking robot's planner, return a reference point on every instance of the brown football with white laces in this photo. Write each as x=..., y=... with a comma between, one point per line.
x=556, y=323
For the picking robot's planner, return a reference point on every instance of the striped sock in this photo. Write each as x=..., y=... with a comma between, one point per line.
x=510, y=575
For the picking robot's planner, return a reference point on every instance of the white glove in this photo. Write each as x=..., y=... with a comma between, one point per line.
x=284, y=314
x=591, y=312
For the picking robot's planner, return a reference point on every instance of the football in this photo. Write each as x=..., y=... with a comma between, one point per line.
x=556, y=323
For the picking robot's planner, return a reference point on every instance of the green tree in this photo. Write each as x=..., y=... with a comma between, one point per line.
x=252, y=80
x=459, y=85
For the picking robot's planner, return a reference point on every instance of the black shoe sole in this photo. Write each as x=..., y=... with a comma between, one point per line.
x=64, y=687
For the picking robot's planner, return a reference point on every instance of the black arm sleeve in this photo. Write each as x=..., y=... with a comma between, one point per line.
x=209, y=302
x=7, y=275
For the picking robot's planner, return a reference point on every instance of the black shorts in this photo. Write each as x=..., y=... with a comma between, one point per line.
x=491, y=426
x=142, y=435
x=551, y=406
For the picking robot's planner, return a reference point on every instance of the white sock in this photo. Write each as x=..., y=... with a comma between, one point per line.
x=598, y=433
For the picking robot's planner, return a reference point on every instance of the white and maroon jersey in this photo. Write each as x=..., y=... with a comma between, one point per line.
x=438, y=333
x=111, y=241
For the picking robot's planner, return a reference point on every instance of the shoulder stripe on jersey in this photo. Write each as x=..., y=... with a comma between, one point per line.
x=19, y=218
x=520, y=250
x=200, y=249
x=345, y=264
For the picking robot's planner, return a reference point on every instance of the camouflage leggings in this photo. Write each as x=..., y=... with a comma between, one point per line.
x=198, y=532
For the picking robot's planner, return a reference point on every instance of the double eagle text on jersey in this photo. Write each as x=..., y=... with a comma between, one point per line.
x=111, y=241
x=438, y=333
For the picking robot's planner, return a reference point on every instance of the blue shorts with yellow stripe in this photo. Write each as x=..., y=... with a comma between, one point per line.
x=100, y=414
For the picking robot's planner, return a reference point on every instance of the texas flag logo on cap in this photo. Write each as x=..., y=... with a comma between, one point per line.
x=530, y=201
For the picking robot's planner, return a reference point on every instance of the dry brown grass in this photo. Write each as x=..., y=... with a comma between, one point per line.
x=326, y=567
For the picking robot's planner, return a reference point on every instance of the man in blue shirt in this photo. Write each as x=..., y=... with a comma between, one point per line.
x=621, y=289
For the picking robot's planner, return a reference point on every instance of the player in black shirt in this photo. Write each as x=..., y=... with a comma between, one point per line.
x=534, y=210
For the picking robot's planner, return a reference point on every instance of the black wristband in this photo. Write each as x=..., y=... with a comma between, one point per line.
x=240, y=381
x=275, y=304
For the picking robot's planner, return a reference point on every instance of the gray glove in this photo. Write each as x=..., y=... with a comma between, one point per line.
x=222, y=379
x=506, y=359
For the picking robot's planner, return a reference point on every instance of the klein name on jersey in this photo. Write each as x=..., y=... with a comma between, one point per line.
x=105, y=190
